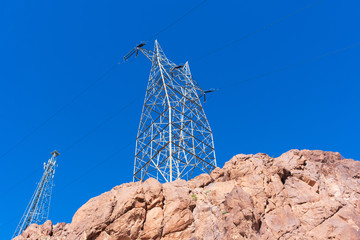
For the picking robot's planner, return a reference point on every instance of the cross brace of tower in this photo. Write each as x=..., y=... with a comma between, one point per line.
x=38, y=208
x=174, y=139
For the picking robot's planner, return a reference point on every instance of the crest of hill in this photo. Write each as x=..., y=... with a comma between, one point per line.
x=299, y=195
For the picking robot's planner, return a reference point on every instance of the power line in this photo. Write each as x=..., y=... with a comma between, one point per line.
x=112, y=68
x=178, y=19
x=134, y=100
x=256, y=31
x=94, y=167
x=77, y=142
x=124, y=107
x=290, y=66
x=23, y=139
x=100, y=124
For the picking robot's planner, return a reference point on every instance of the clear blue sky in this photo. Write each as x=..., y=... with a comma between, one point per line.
x=53, y=50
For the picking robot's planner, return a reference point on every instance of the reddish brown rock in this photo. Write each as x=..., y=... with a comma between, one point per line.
x=153, y=193
x=153, y=225
x=280, y=221
x=35, y=231
x=299, y=195
x=200, y=181
x=178, y=206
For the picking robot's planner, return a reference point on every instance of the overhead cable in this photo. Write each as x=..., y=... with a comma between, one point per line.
x=62, y=108
x=256, y=31
x=177, y=20
x=232, y=84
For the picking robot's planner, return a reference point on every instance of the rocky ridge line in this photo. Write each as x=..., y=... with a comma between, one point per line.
x=299, y=195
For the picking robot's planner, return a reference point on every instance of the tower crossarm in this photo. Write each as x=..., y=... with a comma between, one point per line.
x=148, y=53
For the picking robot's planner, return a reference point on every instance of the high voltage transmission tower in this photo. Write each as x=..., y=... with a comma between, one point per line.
x=38, y=208
x=174, y=139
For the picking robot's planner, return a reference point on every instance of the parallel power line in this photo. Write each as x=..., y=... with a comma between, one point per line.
x=177, y=20
x=102, y=123
x=106, y=73
x=230, y=85
x=61, y=109
x=226, y=45
x=235, y=83
x=115, y=65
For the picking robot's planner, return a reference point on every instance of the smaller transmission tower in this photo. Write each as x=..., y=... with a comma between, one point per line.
x=37, y=210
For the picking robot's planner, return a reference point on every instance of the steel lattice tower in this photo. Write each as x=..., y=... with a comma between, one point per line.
x=38, y=208
x=174, y=139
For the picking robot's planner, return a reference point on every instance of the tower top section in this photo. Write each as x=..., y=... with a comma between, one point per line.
x=55, y=153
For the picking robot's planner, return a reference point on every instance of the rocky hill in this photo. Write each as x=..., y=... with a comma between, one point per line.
x=299, y=195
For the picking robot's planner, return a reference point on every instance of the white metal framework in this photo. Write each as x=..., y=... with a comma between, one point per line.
x=174, y=139
x=38, y=208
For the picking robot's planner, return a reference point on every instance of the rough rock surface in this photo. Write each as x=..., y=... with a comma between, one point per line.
x=299, y=195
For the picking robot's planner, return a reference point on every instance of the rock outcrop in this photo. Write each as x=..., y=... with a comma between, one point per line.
x=299, y=195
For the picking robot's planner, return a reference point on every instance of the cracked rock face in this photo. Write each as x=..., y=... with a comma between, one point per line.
x=299, y=195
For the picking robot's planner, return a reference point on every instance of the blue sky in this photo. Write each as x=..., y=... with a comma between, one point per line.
x=52, y=51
